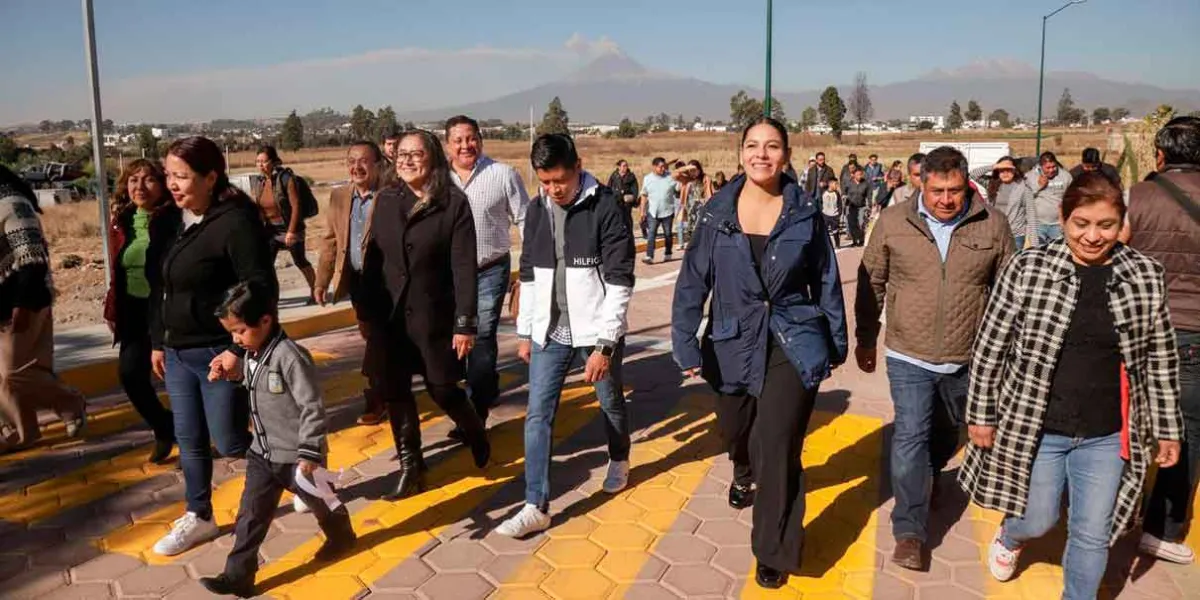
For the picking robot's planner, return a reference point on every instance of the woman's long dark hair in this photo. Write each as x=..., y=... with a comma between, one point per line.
x=14, y=182
x=204, y=157
x=122, y=201
x=439, y=182
x=994, y=182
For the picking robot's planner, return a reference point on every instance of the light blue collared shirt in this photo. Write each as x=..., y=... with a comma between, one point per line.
x=942, y=232
x=360, y=210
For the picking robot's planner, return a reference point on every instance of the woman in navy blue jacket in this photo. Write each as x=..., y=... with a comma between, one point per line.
x=775, y=330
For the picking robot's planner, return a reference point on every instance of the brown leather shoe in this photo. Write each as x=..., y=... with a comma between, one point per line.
x=910, y=554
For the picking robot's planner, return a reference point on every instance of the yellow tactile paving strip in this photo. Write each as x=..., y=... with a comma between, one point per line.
x=390, y=532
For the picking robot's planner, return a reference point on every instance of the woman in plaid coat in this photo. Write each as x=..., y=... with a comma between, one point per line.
x=1074, y=382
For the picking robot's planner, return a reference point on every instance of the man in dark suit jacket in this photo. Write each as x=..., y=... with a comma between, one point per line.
x=819, y=176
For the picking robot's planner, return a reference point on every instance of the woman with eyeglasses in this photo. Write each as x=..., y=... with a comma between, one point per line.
x=419, y=301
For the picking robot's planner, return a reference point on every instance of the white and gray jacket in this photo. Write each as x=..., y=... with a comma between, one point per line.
x=598, y=254
x=287, y=413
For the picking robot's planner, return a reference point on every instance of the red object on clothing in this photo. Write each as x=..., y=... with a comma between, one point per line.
x=1124, y=413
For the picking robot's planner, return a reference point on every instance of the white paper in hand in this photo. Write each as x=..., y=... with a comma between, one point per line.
x=321, y=486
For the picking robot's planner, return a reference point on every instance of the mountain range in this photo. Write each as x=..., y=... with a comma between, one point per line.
x=615, y=86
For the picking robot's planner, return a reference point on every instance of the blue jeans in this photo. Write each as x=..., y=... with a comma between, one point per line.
x=1092, y=469
x=204, y=408
x=929, y=410
x=483, y=382
x=1048, y=233
x=655, y=223
x=1167, y=507
x=547, y=371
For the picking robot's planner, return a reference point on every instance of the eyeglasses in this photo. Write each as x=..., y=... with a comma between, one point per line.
x=416, y=156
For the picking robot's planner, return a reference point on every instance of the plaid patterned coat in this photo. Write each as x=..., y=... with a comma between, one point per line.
x=1014, y=360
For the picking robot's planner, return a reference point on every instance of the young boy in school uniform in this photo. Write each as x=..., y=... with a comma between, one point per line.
x=287, y=416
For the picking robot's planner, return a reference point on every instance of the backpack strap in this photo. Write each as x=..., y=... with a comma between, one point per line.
x=1180, y=196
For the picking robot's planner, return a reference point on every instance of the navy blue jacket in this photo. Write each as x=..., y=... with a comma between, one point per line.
x=801, y=306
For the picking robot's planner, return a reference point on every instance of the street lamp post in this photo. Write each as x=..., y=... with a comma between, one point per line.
x=89, y=46
x=767, y=100
x=1042, y=71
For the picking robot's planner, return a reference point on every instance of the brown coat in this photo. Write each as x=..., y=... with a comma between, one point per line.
x=334, y=261
x=419, y=284
x=933, y=309
x=1162, y=229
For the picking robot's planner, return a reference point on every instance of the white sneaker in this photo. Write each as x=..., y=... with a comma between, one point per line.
x=617, y=477
x=187, y=531
x=1002, y=562
x=299, y=506
x=1168, y=551
x=529, y=520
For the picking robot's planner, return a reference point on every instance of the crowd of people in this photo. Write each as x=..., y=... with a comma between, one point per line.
x=1053, y=316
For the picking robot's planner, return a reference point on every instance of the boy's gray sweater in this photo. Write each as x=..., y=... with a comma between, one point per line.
x=287, y=413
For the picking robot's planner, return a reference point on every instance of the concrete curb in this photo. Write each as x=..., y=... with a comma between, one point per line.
x=101, y=377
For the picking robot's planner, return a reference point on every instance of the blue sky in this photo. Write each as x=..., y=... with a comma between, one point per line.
x=164, y=60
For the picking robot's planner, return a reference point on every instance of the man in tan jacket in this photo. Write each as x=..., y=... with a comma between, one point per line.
x=933, y=262
x=346, y=231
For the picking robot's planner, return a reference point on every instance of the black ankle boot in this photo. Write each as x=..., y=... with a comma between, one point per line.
x=769, y=578
x=162, y=450
x=223, y=585
x=740, y=496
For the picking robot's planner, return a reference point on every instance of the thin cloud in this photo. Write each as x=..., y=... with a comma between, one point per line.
x=581, y=45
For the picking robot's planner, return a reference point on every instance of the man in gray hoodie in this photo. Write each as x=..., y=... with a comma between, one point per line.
x=1048, y=182
x=287, y=416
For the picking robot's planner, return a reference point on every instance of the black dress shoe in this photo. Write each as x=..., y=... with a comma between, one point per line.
x=481, y=451
x=457, y=435
x=769, y=578
x=333, y=550
x=162, y=451
x=223, y=585
x=740, y=496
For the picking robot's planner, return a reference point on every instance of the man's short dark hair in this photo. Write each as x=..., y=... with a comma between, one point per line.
x=658, y=160
x=915, y=159
x=943, y=160
x=622, y=162
x=873, y=155
x=453, y=122
x=1179, y=141
x=1046, y=157
x=853, y=156
x=392, y=134
x=553, y=150
x=376, y=152
x=1091, y=156
x=819, y=155
x=249, y=302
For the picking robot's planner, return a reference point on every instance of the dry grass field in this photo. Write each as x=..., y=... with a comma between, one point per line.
x=72, y=229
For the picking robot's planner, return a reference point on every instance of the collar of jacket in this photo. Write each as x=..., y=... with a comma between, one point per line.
x=588, y=186
x=721, y=210
x=975, y=210
x=277, y=336
x=1062, y=263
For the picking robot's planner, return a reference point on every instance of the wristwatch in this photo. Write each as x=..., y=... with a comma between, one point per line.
x=605, y=350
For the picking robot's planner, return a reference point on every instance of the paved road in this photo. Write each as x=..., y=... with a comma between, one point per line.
x=78, y=518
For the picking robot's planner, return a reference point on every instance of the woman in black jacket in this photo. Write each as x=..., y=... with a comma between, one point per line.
x=222, y=242
x=419, y=291
x=144, y=221
x=624, y=186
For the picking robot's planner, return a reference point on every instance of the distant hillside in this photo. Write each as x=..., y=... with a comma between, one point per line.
x=616, y=86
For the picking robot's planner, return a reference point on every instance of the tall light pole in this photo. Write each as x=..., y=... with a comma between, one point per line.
x=767, y=100
x=1042, y=71
x=89, y=45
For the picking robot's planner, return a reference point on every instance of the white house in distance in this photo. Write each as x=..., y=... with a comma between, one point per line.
x=939, y=122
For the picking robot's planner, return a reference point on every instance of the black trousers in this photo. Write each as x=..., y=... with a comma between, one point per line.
x=265, y=483
x=133, y=367
x=765, y=436
x=854, y=223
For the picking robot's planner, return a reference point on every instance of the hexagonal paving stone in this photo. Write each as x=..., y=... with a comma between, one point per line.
x=653, y=499
x=67, y=554
x=630, y=567
x=577, y=584
x=575, y=527
x=105, y=568
x=83, y=591
x=500, y=544
x=735, y=561
x=208, y=562
x=456, y=586
x=711, y=508
x=725, y=533
x=409, y=575
x=617, y=510
x=878, y=586
x=683, y=549
x=459, y=555
x=153, y=580
x=34, y=583
x=697, y=580
x=571, y=553
x=669, y=521
x=516, y=571
x=645, y=591
x=621, y=536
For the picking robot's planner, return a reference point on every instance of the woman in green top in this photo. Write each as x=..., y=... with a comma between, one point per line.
x=144, y=222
